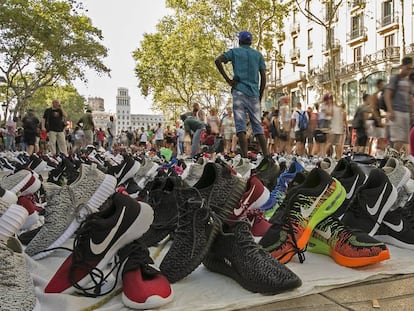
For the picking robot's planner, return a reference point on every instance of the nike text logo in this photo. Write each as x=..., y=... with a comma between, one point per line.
x=351, y=191
x=325, y=234
x=396, y=228
x=308, y=212
x=245, y=204
x=374, y=210
x=98, y=249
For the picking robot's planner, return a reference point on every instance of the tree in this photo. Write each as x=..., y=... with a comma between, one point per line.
x=176, y=66
x=331, y=10
x=43, y=42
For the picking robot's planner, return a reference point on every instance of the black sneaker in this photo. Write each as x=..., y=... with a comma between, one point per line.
x=268, y=172
x=124, y=171
x=237, y=255
x=162, y=199
x=195, y=233
x=371, y=203
x=397, y=228
x=352, y=178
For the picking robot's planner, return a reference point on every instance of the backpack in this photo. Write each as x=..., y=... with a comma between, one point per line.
x=303, y=121
x=381, y=98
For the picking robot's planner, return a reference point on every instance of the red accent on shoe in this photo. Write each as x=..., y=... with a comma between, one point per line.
x=27, y=204
x=259, y=224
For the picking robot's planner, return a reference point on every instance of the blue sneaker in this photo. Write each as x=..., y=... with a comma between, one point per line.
x=278, y=193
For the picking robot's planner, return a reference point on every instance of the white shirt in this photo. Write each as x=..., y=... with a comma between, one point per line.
x=295, y=115
x=159, y=133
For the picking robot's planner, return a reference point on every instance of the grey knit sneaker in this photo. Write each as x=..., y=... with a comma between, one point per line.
x=17, y=181
x=237, y=255
x=195, y=233
x=397, y=173
x=68, y=206
x=16, y=285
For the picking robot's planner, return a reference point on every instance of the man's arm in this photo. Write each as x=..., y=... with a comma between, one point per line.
x=219, y=64
x=262, y=82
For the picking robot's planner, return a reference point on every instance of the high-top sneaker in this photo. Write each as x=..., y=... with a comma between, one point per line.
x=236, y=255
x=304, y=207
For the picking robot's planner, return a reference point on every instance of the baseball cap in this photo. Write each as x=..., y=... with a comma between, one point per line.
x=245, y=36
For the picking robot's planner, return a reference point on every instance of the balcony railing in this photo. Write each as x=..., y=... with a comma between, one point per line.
x=356, y=33
x=294, y=28
x=335, y=45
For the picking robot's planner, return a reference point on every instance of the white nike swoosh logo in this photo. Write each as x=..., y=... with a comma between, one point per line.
x=396, y=228
x=238, y=211
x=325, y=234
x=307, y=212
x=56, y=178
x=351, y=191
x=98, y=249
x=374, y=210
x=117, y=175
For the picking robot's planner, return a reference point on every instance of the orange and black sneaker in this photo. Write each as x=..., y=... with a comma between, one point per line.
x=347, y=246
x=304, y=207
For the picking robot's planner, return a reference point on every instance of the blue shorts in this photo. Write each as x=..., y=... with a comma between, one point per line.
x=242, y=105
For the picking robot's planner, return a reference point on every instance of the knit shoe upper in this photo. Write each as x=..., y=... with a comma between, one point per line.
x=304, y=207
x=196, y=230
x=16, y=284
x=162, y=200
x=348, y=247
x=236, y=255
x=267, y=171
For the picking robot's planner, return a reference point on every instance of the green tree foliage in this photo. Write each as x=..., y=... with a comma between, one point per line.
x=45, y=42
x=175, y=65
x=71, y=101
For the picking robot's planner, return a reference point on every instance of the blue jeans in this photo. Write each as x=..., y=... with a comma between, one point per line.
x=195, y=143
x=110, y=143
x=181, y=147
x=242, y=105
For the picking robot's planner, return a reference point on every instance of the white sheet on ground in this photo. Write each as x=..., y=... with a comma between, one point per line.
x=205, y=290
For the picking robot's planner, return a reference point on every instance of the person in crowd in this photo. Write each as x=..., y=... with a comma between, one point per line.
x=130, y=137
x=143, y=138
x=169, y=135
x=100, y=137
x=110, y=128
x=300, y=133
x=312, y=126
x=285, y=119
x=400, y=105
x=378, y=140
x=11, y=127
x=245, y=89
x=213, y=121
x=31, y=130
x=78, y=138
x=150, y=134
x=359, y=125
x=159, y=136
x=195, y=128
x=88, y=127
x=53, y=122
x=339, y=128
x=228, y=131
x=266, y=128
x=274, y=131
x=180, y=140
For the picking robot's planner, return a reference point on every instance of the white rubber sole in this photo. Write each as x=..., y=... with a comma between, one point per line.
x=151, y=302
x=12, y=220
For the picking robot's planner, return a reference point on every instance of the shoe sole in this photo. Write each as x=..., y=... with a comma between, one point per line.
x=327, y=208
x=394, y=241
x=104, y=191
x=152, y=302
x=319, y=247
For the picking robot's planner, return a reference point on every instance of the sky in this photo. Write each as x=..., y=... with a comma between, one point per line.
x=123, y=24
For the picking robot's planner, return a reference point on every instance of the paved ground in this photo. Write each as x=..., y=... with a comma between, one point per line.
x=391, y=294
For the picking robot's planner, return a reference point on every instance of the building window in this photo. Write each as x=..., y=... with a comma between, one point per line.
x=389, y=41
x=387, y=12
x=310, y=42
x=357, y=54
x=357, y=24
x=310, y=62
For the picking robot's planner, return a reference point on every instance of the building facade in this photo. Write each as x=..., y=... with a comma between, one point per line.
x=367, y=41
x=124, y=118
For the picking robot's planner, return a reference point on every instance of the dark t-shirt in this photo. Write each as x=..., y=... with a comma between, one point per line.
x=54, y=120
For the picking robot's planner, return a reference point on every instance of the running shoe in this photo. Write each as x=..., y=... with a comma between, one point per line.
x=267, y=171
x=124, y=171
x=236, y=255
x=98, y=240
x=304, y=207
x=371, y=203
x=397, y=173
x=348, y=247
x=243, y=167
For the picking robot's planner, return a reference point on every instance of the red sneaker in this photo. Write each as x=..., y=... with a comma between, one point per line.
x=258, y=223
